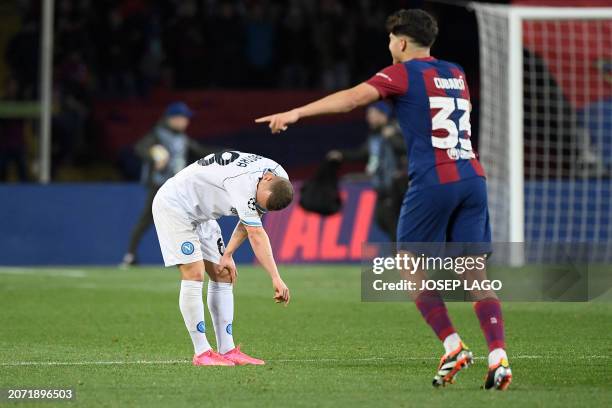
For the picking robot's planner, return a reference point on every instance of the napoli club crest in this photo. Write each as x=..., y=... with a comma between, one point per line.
x=201, y=327
x=187, y=248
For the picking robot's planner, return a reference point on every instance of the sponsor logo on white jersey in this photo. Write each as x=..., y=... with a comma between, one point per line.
x=449, y=83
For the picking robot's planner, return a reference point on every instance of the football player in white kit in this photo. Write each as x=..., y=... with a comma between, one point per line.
x=185, y=211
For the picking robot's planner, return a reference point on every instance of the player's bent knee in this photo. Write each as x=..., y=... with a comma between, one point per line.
x=216, y=273
x=192, y=271
x=223, y=275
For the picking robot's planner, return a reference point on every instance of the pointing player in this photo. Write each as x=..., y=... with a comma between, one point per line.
x=185, y=211
x=447, y=198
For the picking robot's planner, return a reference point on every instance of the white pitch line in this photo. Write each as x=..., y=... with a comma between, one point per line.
x=67, y=273
x=327, y=360
x=85, y=363
x=308, y=360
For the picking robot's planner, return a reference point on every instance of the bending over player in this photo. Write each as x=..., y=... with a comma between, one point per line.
x=447, y=198
x=185, y=211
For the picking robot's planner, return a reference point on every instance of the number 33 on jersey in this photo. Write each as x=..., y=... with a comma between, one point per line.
x=432, y=103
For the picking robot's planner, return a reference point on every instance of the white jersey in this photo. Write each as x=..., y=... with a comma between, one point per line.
x=220, y=184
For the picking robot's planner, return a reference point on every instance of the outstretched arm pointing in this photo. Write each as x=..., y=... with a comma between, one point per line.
x=339, y=102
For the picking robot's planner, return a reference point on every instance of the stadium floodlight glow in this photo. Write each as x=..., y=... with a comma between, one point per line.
x=544, y=132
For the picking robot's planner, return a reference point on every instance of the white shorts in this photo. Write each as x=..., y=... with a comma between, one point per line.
x=183, y=241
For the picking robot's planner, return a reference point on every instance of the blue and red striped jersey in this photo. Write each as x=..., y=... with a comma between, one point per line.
x=432, y=105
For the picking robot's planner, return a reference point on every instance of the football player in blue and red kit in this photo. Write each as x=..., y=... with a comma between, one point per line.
x=447, y=197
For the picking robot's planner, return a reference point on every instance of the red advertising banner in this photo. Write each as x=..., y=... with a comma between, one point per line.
x=301, y=236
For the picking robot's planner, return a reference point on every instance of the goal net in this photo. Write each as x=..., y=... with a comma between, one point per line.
x=546, y=124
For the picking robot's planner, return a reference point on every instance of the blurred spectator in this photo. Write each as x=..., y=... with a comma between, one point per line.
x=72, y=113
x=333, y=42
x=185, y=45
x=12, y=140
x=151, y=63
x=120, y=45
x=260, y=35
x=71, y=27
x=385, y=153
x=224, y=58
x=22, y=57
x=296, y=47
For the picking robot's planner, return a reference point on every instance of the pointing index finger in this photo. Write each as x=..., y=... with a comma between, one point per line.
x=263, y=119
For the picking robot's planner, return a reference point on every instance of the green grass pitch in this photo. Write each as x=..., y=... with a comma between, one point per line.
x=117, y=337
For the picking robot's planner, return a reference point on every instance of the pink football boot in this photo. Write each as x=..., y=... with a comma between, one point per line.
x=239, y=358
x=210, y=358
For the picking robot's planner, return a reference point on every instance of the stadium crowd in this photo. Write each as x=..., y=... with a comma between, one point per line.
x=123, y=47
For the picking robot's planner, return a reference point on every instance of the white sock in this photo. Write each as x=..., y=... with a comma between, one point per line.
x=496, y=355
x=451, y=342
x=221, y=306
x=192, y=309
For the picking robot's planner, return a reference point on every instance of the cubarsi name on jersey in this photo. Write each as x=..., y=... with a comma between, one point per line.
x=449, y=83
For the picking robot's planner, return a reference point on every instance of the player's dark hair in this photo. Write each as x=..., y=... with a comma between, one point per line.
x=281, y=194
x=417, y=24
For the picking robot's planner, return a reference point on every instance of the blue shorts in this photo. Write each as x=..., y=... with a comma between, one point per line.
x=453, y=212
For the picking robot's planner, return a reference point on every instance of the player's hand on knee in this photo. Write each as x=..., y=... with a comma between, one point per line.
x=227, y=263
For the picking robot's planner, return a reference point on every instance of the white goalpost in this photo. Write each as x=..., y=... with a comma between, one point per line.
x=546, y=124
